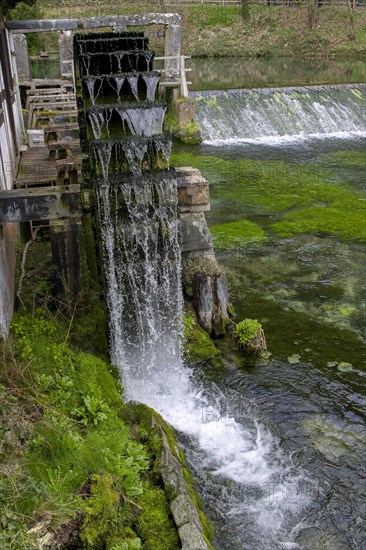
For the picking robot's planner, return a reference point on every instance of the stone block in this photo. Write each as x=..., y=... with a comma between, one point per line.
x=192, y=538
x=22, y=58
x=192, y=190
x=194, y=232
x=184, y=511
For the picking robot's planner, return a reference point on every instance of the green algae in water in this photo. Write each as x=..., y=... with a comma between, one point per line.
x=346, y=219
x=233, y=234
x=303, y=197
x=345, y=159
x=293, y=359
x=343, y=366
x=332, y=439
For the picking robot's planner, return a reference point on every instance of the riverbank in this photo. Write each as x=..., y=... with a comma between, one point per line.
x=270, y=31
x=80, y=468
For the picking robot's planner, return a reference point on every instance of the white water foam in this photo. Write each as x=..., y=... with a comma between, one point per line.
x=278, y=116
x=285, y=139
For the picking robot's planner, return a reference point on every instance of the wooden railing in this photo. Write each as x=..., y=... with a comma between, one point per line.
x=174, y=72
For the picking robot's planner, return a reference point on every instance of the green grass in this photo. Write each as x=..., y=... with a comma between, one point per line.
x=66, y=454
x=211, y=16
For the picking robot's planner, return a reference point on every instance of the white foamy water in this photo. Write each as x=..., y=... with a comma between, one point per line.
x=286, y=139
x=143, y=267
x=282, y=115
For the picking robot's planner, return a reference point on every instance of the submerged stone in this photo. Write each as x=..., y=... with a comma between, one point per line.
x=343, y=366
x=293, y=359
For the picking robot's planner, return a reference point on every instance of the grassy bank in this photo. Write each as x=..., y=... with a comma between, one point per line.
x=220, y=31
x=72, y=473
x=79, y=468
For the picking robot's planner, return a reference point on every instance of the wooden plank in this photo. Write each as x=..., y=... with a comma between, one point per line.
x=47, y=25
x=19, y=205
x=35, y=169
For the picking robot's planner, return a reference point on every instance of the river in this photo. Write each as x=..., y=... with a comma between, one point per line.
x=278, y=452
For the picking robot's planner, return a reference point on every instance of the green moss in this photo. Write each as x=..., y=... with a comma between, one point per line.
x=155, y=524
x=187, y=133
x=198, y=346
x=233, y=234
x=346, y=159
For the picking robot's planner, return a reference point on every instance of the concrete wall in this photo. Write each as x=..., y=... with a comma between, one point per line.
x=11, y=135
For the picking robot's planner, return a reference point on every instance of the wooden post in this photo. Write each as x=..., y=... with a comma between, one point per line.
x=183, y=80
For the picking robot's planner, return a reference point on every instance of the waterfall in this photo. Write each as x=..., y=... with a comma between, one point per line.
x=132, y=80
x=151, y=86
x=139, y=224
x=142, y=259
x=283, y=114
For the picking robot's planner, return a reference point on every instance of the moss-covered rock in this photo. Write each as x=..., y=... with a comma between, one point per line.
x=198, y=346
x=187, y=132
x=170, y=469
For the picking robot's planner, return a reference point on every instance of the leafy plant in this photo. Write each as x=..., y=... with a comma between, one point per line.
x=250, y=336
x=93, y=411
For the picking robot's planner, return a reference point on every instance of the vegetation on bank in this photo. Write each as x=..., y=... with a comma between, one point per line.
x=223, y=31
x=271, y=31
x=72, y=473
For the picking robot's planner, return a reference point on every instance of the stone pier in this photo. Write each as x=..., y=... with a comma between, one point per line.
x=204, y=281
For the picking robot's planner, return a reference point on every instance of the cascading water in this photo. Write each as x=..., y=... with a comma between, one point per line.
x=140, y=233
x=274, y=116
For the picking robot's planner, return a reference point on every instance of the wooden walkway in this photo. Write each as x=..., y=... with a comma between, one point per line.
x=36, y=169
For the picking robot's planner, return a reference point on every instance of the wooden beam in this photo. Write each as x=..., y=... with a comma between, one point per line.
x=48, y=25
x=35, y=204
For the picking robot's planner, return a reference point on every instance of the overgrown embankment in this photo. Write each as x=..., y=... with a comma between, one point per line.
x=221, y=31
x=218, y=31
x=72, y=473
x=79, y=468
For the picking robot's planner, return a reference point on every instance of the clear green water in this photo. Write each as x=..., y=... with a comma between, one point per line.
x=289, y=228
